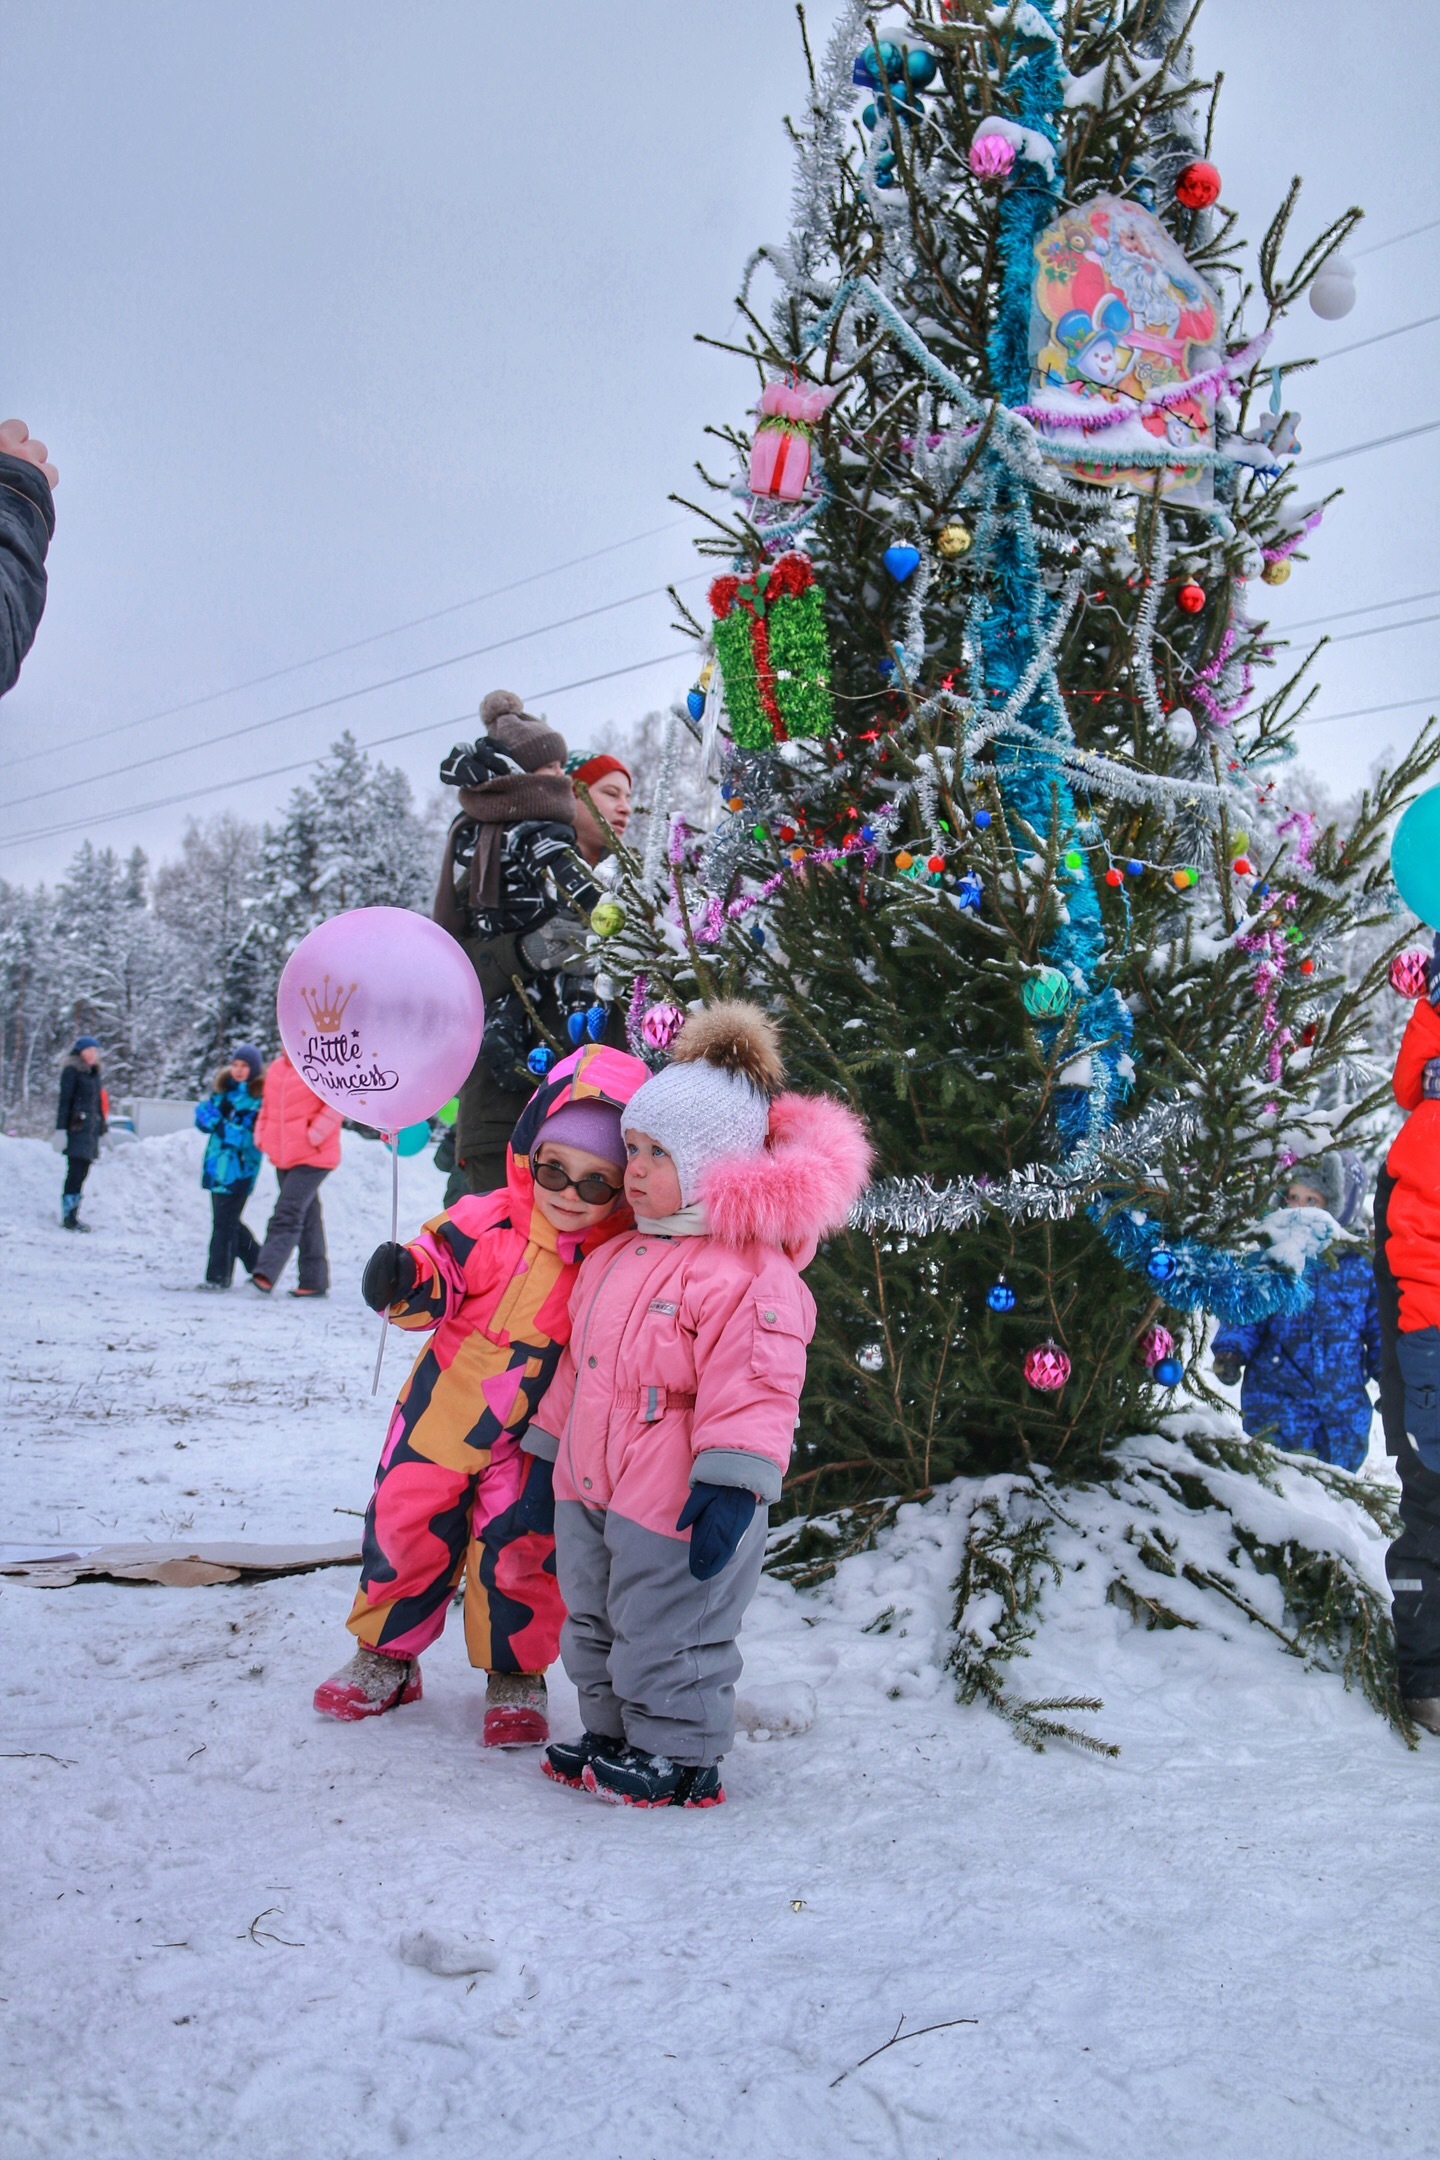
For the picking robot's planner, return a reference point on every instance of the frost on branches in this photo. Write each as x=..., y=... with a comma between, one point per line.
x=1038, y=905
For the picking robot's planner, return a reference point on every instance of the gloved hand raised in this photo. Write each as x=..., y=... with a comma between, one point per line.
x=389, y=1275
x=721, y=1515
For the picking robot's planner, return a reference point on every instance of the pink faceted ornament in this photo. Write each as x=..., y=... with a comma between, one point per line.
x=1407, y=974
x=381, y=1013
x=1156, y=1343
x=661, y=1025
x=992, y=157
x=1047, y=1367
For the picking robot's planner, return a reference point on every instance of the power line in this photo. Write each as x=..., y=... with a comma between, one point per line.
x=1381, y=629
x=1421, y=322
x=294, y=667
x=1378, y=442
x=341, y=697
x=1310, y=622
x=374, y=742
x=1395, y=239
x=1366, y=712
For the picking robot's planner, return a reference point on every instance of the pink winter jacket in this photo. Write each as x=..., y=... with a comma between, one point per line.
x=294, y=1127
x=687, y=1355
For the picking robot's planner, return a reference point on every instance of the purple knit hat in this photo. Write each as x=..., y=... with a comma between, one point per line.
x=589, y=1124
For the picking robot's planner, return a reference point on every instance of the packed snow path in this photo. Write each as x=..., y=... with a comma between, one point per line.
x=221, y=1914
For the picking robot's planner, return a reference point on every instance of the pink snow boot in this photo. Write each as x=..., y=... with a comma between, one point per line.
x=516, y=1707
x=369, y=1684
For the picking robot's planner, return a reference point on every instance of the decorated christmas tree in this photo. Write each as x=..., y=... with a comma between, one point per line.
x=1003, y=835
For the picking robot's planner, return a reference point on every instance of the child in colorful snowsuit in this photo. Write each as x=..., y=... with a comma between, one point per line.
x=232, y=1163
x=456, y=1492
x=673, y=1410
x=1306, y=1372
x=1407, y=1259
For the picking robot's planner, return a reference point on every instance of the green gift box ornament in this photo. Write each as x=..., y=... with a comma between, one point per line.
x=774, y=653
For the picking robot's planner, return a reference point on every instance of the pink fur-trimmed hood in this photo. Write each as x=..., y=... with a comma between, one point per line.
x=800, y=1187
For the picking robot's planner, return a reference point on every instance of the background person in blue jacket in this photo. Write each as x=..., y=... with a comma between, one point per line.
x=232, y=1162
x=1305, y=1373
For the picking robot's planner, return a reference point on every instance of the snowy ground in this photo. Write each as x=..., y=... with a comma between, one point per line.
x=1222, y=1944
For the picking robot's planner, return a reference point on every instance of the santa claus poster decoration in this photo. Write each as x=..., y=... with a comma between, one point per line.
x=1124, y=348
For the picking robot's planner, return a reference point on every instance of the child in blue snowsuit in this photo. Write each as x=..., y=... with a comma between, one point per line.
x=1305, y=1373
x=232, y=1162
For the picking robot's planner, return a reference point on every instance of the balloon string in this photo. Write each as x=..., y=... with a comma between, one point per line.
x=392, y=1141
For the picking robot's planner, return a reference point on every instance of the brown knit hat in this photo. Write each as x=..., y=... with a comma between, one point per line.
x=531, y=742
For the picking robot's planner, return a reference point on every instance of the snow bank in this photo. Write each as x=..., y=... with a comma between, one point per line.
x=230, y=1928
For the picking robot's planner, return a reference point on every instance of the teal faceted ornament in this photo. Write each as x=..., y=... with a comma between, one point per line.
x=1415, y=857
x=1046, y=994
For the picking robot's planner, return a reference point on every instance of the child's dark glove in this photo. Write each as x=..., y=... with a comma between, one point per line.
x=1228, y=1367
x=390, y=1274
x=721, y=1515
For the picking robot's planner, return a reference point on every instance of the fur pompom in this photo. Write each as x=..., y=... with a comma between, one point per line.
x=736, y=1036
x=800, y=1187
x=497, y=704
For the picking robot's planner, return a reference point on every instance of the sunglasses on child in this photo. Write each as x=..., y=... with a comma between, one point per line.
x=593, y=1189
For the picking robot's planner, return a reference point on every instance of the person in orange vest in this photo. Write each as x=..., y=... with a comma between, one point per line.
x=1407, y=1278
x=300, y=1135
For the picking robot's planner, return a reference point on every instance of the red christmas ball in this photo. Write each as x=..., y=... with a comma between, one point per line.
x=1307, y=967
x=1308, y=1034
x=1191, y=598
x=934, y=862
x=1198, y=185
x=1114, y=876
x=1047, y=1367
x=1243, y=867
x=1407, y=974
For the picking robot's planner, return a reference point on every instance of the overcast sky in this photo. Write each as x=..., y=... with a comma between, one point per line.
x=338, y=313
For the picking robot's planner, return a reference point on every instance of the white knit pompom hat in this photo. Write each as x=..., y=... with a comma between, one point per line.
x=713, y=1098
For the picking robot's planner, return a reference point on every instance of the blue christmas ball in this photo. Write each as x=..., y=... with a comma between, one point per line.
x=901, y=560
x=1134, y=868
x=922, y=68
x=867, y=833
x=541, y=1058
x=575, y=1028
x=1000, y=1297
x=885, y=667
x=885, y=169
x=695, y=703
x=595, y=1020
x=870, y=116
x=758, y=934
x=1169, y=1372
x=1161, y=1265
x=969, y=891
x=982, y=819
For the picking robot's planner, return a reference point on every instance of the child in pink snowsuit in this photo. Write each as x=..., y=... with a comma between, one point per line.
x=672, y=1411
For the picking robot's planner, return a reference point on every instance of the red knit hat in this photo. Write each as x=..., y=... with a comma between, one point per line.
x=595, y=768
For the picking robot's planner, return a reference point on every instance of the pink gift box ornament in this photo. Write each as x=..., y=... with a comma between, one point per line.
x=780, y=454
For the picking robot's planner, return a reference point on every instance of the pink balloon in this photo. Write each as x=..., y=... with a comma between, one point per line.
x=381, y=1014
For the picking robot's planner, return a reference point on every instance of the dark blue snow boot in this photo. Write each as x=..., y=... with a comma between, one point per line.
x=565, y=1760
x=632, y=1777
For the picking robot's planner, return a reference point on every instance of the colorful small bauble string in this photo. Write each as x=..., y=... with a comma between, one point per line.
x=1047, y=1368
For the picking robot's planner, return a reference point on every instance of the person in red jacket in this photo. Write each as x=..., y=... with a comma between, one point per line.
x=1407, y=1270
x=301, y=1136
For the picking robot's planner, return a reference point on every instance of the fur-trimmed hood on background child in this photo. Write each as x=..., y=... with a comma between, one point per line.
x=798, y=1188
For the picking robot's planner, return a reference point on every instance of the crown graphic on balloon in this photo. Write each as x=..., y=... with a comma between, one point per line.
x=327, y=1007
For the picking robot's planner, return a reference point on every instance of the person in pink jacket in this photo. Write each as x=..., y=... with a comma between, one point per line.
x=672, y=1411
x=301, y=1136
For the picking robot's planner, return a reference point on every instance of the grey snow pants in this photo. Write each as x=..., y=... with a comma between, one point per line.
x=296, y=1220
x=651, y=1651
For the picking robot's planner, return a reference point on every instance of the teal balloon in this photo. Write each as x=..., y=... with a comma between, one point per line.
x=411, y=1139
x=1415, y=857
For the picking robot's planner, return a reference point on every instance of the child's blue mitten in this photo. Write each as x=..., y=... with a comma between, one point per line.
x=721, y=1515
